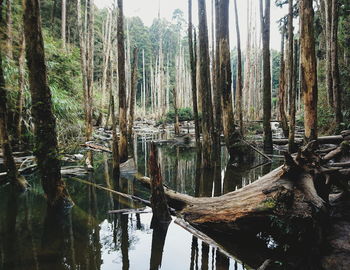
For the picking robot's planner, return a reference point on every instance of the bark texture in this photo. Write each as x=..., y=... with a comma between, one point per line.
x=134, y=76
x=308, y=68
x=46, y=147
x=123, y=142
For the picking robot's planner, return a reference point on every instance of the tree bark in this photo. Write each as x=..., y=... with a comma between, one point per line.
x=225, y=78
x=123, y=143
x=9, y=32
x=328, y=30
x=46, y=149
x=239, y=74
x=134, y=76
x=176, y=124
x=193, y=74
x=337, y=91
x=282, y=89
x=204, y=86
x=63, y=23
x=265, y=25
x=292, y=94
x=308, y=69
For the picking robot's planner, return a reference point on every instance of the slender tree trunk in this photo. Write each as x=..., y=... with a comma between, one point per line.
x=265, y=25
x=282, y=89
x=308, y=69
x=63, y=24
x=292, y=93
x=134, y=76
x=239, y=74
x=193, y=73
x=21, y=85
x=123, y=144
x=46, y=149
x=329, y=79
x=204, y=86
x=225, y=76
x=337, y=91
x=9, y=25
x=176, y=124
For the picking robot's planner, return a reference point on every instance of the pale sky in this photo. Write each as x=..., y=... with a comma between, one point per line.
x=147, y=10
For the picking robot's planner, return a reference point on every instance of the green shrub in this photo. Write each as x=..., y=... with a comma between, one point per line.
x=185, y=114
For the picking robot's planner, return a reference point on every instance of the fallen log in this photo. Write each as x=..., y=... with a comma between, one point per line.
x=335, y=139
x=96, y=147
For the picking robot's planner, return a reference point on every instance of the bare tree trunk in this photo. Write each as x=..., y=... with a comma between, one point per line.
x=265, y=25
x=239, y=74
x=176, y=124
x=46, y=149
x=133, y=91
x=204, y=87
x=123, y=144
x=308, y=69
x=9, y=25
x=225, y=76
x=89, y=76
x=337, y=91
x=329, y=79
x=63, y=24
x=282, y=89
x=292, y=94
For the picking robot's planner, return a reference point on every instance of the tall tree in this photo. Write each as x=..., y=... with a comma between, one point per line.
x=10, y=165
x=123, y=143
x=337, y=91
x=46, y=147
x=292, y=94
x=204, y=85
x=193, y=73
x=239, y=74
x=63, y=24
x=225, y=77
x=282, y=88
x=9, y=32
x=308, y=68
x=328, y=30
x=90, y=16
x=176, y=110
x=265, y=30
x=134, y=76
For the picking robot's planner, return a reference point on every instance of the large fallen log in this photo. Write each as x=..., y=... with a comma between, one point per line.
x=335, y=139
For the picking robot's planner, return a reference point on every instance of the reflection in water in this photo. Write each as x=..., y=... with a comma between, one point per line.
x=87, y=237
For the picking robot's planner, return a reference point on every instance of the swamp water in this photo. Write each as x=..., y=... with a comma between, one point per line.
x=88, y=237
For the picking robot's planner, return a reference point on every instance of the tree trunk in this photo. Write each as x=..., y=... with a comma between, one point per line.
x=282, y=89
x=176, y=124
x=9, y=25
x=292, y=93
x=123, y=143
x=134, y=77
x=239, y=74
x=225, y=77
x=63, y=23
x=265, y=25
x=193, y=73
x=337, y=91
x=204, y=86
x=46, y=149
x=308, y=69
x=328, y=30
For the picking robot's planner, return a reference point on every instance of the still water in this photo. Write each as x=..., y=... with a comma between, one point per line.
x=88, y=237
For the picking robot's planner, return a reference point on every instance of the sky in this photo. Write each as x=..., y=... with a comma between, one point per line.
x=147, y=10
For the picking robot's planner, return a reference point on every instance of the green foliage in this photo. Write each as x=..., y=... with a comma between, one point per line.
x=185, y=114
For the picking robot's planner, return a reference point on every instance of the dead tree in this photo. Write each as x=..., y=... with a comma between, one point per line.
x=123, y=142
x=265, y=30
x=308, y=68
x=204, y=86
x=225, y=78
x=239, y=74
x=134, y=77
x=46, y=149
x=193, y=73
x=282, y=88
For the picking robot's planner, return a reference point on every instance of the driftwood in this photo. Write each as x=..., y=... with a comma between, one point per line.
x=335, y=139
x=96, y=147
